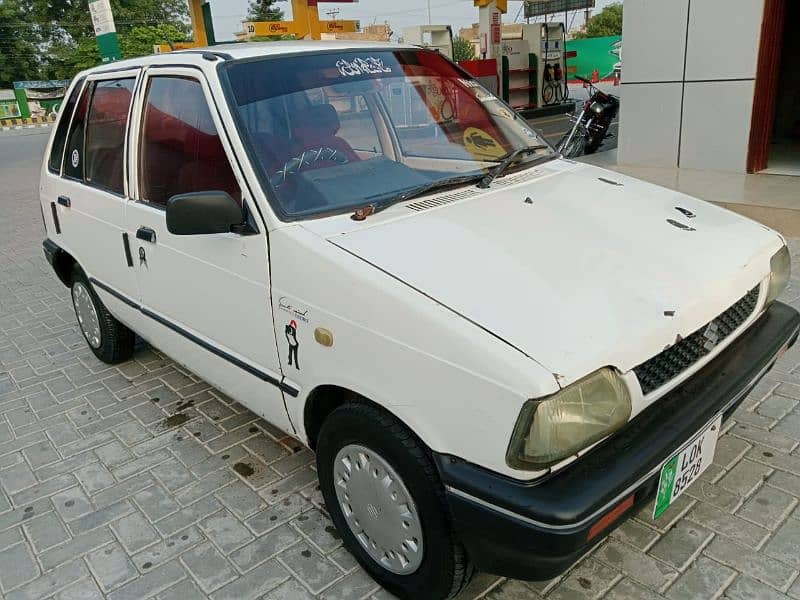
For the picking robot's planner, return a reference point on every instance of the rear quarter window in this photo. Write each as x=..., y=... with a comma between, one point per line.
x=60, y=136
x=74, y=159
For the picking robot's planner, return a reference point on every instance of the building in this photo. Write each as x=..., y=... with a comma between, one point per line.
x=711, y=84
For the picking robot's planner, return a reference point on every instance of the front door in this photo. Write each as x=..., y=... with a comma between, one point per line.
x=207, y=296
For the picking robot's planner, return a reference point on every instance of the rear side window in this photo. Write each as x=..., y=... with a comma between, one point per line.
x=60, y=137
x=74, y=159
x=105, y=134
x=180, y=149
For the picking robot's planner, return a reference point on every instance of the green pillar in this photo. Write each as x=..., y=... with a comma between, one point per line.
x=105, y=30
x=22, y=102
x=209, y=24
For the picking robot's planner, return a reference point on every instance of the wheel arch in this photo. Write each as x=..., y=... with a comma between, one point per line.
x=63, y=263
x=326, y=398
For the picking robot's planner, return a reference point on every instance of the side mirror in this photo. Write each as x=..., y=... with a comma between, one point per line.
x=199, y=213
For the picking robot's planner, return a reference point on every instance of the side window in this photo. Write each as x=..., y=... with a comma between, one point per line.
x=74, y=159
x=60, y=136
x=180, y=149
x=105, y=134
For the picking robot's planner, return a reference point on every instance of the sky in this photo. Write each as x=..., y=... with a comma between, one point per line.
x=228, y=14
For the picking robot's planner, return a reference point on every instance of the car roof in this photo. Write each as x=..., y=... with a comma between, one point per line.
x=195, y=56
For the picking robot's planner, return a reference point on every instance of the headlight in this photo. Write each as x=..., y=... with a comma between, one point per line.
x=551, y=429
x=779, y=267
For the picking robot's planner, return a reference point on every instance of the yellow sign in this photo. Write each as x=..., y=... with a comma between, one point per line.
x=502, y=5
x=299, y=29
x=482, y=145
x=175, y=46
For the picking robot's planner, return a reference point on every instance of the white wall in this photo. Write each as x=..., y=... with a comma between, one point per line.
x=688, y=74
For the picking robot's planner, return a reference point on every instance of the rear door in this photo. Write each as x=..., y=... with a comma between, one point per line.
x=207, y=296
x=85, y=187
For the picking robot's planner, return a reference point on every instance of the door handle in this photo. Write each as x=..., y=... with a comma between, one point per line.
x=146, y=234
x=64, y=201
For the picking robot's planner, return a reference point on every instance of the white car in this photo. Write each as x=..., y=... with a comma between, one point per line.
x=496, y=354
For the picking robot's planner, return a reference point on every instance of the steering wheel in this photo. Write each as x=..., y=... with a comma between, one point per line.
x=306, y=159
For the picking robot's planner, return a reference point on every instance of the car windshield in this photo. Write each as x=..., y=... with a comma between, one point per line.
x=334, y=131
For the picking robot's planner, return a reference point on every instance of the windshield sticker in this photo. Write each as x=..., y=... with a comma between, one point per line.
x=481, y=145
x=291, y=338
x=362, y=66
x=76, y=158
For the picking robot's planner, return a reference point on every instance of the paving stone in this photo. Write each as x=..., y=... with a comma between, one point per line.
x=768, y=507
x=94, y=477
x=41, y=454
x=318, y=527
x=134, y=532
x=56, y=579
x=240, y=499
x=635, y=533
x=776, y=406
x=151, y=583
x=265, y=547
x=77, y=546
x=113, y=454
x=705, y=578
x=714, y=495
x=136, y=467
x=635, y=564
x=72, y=504
x=755, y=564
x=681, y=544
x=745, y=477
x=226, y=531
x=785, y=481
x=17, y=566
x=254, y=584
x=590, y=579
x=188, y=516
x=100, y=517
x=203, y=487
x=84, y=589
x=729, y=450
x=353, y=587
x=785, y=544
x=747, y=588
x=729, y=525
x=627, y=589
x=121, y=491
x=765, y=438
x=155, y=503
x=111, y=566
x=291, y=590
x=46, y=531
x=17, y=478
x=10, y=537
x=168, y=549
x=208, y=567
x=182, y=591
x=173, y=475
x=310, y=566
x=288, y=508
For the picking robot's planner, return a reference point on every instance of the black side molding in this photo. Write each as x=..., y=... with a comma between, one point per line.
x=283, y=386
x=127, y=246
x=56, y=222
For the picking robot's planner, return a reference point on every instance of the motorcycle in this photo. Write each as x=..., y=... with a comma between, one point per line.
x=590, y=124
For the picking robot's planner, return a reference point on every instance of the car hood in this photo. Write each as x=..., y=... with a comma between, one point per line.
x=573, y=265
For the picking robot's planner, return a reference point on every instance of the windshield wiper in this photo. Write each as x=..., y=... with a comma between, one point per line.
x=506, y=161
x=363, y=212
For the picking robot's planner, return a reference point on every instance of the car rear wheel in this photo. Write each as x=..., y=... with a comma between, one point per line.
x=385, y=498
x=109, y=339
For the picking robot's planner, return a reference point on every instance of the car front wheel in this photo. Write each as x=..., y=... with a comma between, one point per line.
x=384, y=495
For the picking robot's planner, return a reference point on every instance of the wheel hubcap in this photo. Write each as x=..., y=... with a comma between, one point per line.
x=87, y=314
x=378, y=508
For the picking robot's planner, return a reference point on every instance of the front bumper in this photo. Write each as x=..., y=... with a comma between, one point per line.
x=535, y=530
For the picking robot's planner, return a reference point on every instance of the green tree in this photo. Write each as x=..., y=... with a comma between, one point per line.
x=19, y=53
x=462, y=49
x=607, y=22
x=139, y=41
x=264, y=10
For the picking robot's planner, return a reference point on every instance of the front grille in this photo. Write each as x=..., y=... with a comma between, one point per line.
x=673, y=361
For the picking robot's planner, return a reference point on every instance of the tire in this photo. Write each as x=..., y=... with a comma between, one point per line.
x=441, y=568
x=599, y=137
x=547, y=93
x=110, y=340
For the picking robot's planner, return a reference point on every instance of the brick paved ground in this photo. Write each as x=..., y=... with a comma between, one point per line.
x=101, y=497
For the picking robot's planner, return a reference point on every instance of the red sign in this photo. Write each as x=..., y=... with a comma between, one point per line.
x=495, y=28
